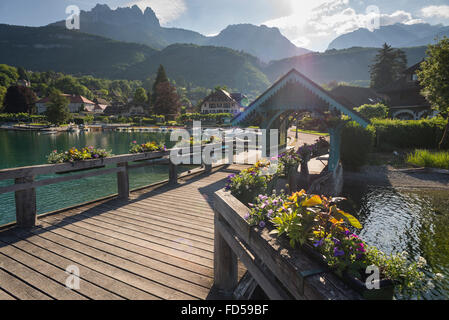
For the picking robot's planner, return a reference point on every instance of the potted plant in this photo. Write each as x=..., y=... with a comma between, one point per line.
x=74, y=155
x=315, y=225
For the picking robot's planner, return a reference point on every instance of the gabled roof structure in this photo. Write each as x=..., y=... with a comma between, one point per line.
x=314, y=94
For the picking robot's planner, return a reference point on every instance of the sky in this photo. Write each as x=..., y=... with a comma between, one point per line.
x=311, y=24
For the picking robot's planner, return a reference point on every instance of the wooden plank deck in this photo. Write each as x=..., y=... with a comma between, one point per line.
x=157, y=245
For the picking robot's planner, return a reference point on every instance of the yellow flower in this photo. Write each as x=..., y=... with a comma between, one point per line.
x=294, y=197
x=313, y=201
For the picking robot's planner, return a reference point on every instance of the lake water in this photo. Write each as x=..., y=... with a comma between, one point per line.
x=18, y=148
x=397, y=220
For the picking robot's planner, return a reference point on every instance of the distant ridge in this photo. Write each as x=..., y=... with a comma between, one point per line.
x=397, y=35
x=130, y=24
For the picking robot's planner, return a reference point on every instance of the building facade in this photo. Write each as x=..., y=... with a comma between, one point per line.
x=77, y=104
x=221, y=101
x=405, y=99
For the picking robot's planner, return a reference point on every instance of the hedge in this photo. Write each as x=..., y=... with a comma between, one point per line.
x=21, y=117
x=356, y=144
x=425, y=133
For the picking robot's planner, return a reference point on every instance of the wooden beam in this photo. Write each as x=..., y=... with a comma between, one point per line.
x=225, y=262
x=25, y=204
x=123, y=181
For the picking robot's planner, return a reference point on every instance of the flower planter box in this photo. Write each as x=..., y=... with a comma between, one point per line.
x=82, y=169
x=302, y=272
x=386, y=287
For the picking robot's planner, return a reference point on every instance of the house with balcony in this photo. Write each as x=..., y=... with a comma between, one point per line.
x=221, y=101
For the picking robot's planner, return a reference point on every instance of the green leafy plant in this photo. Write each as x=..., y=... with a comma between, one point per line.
x=146, y=147
x=75, y=154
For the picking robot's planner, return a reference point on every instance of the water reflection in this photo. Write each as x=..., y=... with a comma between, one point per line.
x=31, y=148
x=416, y=221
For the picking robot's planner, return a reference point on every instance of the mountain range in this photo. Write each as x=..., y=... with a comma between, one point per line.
x=130, y=24
x=397, y=35
x=58, y=49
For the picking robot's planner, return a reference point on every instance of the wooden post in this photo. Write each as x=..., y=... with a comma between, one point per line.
x=172, y=173
x=25, y=204
x=225, y=262
x=123, y=181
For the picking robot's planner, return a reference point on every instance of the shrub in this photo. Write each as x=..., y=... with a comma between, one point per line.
x=425, y=158
x=392, y=133
x=356, y=144
x=371, y=111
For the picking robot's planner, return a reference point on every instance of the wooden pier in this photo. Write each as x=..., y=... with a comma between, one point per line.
x=158, y=244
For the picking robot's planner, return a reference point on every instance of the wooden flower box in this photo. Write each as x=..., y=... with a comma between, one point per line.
x=281, y=271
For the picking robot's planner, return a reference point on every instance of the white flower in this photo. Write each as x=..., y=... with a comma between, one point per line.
x=421, y=262
x=438, y=276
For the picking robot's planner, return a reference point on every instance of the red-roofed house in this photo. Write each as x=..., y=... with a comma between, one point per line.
x=77, y=103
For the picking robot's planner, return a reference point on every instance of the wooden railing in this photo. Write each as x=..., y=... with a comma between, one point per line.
x=282, y=273
x=25, y=182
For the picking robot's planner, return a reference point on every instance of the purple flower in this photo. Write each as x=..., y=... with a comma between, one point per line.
x=251, y=205
x=262, y=197
x=336, y=241
x=338, y=252
x=359, y=256
x=318, y=243
x=347, y=233
x=95, y=155
x=228, y=187
x=270, y=213
x=246, y=217
x=262, y=224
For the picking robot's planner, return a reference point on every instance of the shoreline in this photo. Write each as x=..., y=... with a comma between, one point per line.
x=418, y=178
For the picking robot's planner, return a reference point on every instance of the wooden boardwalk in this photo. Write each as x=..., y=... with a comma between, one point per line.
x=157, y=245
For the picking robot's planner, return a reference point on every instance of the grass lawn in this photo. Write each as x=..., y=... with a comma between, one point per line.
x=311, y=132
x=429, y=159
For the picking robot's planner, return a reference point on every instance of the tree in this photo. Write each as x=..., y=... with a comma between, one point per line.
x=161, y=77
x=58, y=111
x=371, y=111
x=140, y=96
x=23, y=74
x=434, y=79
x=167, y=100
x=20, y=99
x=388, y=67
x=2, y=96
x=8, y=75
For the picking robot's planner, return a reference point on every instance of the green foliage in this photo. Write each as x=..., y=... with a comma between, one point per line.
x=76, y=155
x=371, y=111
x=433, y=77
x=19, y=99
x=429, y=159
x=2, y=96
x=146, y=147
x=166, y=100
x=356, y=144
x=57, y=110
x=318, y=222
x=251, y=182
x=393, y=133
x=140, y=96
x=8, y=75
x=21, y=117
x=216, y=118
x=388, y=67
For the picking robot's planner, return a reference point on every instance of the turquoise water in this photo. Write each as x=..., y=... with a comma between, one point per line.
x=31, y=148
x=413, y=220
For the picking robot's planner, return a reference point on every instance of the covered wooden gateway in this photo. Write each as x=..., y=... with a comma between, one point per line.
x=293, y=94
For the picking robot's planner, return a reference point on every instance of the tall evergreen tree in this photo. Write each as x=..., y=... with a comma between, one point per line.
x=388, y=66
x=161, y=77
x=167, y=101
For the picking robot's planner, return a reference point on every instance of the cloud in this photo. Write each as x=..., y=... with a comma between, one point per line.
x=166, y=10
x=436, y=11
x=316, y=27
